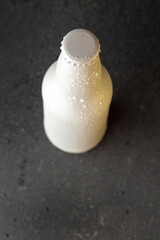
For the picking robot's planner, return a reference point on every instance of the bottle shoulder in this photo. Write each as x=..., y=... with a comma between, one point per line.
x=49, y=84
x=70, y=105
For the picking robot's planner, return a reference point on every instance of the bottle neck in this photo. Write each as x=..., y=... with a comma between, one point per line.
x=80, y=77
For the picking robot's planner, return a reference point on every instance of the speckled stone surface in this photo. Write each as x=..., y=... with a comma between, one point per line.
x=113, y=191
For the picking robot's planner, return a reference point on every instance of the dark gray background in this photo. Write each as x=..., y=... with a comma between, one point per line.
x=113, y=191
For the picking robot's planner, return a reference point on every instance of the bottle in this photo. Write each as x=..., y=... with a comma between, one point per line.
x=77, y=92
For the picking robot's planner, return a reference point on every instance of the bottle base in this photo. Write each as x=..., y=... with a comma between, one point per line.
x=73, y=150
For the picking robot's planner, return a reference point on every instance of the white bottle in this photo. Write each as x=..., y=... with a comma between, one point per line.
x=77, y=92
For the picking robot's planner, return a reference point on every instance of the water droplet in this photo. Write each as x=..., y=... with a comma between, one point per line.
x=100, y=103
x=84, y=106
x=96, y=74
x=81, y=100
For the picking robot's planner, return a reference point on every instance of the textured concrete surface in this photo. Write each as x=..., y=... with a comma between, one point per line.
x=113, y=191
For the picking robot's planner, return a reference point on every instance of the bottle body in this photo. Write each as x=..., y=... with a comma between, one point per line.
x=76, y=109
